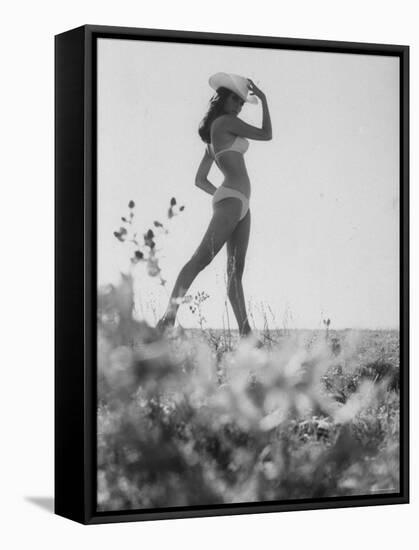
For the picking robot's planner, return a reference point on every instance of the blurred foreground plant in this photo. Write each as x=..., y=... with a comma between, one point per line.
x=170, y=435
x=146, y=251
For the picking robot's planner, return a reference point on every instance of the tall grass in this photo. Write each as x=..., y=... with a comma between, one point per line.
x=200, y=417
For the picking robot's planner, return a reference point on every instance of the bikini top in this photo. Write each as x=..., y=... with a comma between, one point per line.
x=239, y=144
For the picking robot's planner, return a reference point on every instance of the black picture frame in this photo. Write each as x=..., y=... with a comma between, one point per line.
x=76, y=270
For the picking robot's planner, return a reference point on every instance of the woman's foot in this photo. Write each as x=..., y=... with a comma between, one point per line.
x=165, y=323
x=250, y=335
x=245, y=330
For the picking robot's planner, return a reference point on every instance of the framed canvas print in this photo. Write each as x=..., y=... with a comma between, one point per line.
x=231, y=274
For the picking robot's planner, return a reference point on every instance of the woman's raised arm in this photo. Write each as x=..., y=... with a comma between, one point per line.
x=240, y=128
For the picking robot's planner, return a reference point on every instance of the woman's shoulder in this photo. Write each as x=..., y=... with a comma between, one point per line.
x=222, y=119
x=222, y=122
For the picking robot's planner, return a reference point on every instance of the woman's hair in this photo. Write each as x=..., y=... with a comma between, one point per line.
x=216, y=109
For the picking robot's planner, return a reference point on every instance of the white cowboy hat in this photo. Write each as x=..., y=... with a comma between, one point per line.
x=233, y=82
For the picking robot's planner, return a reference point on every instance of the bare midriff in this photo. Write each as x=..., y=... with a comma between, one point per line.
x=232, y=165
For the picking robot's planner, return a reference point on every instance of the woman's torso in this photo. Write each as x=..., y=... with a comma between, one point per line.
x=230, y=162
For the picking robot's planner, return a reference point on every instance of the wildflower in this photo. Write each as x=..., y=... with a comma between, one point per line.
x=153, y=268
x=118, y=236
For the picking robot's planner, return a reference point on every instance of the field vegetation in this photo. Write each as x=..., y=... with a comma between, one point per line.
x=201, y=417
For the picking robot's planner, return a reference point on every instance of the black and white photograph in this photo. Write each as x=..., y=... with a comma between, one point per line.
x=248, y=274
x=210, y=259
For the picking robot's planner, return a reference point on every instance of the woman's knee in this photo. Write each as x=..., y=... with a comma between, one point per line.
x=235, y=267
x=200, y=261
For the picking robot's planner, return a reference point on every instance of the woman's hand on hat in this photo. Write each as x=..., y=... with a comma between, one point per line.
x=254, y=90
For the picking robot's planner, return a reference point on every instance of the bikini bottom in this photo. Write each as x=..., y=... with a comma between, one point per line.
x=226, y=193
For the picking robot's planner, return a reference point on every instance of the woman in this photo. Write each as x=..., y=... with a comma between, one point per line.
x=225, y=135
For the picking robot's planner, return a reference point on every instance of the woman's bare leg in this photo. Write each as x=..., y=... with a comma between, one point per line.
x=222, y=224
x=236, y=256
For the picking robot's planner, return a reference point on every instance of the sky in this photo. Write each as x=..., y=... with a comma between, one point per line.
x=324, y=239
